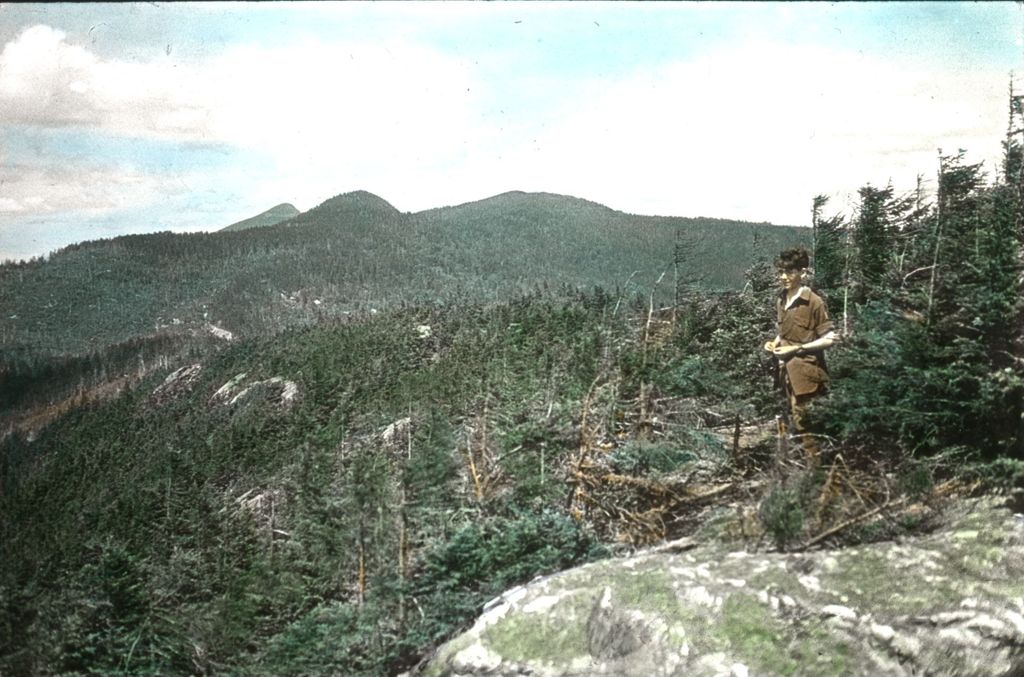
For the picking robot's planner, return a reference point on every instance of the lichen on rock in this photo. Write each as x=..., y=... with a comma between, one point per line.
x=948, y=603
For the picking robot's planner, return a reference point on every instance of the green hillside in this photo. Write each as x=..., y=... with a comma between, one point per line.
x=352, y=253
x=333, y=499
x=271, y=217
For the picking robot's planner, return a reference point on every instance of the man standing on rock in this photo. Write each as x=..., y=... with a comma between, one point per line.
x=805, y=331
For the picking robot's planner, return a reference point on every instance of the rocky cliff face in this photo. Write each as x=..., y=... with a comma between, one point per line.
x=947, y=603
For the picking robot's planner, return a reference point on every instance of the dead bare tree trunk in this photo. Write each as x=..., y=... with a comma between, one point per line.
x=644, y=424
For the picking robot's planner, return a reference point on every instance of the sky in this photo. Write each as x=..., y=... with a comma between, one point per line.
x=142, y=117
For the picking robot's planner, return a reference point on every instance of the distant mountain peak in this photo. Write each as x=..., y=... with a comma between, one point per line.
x=539, y=200
x=358, y=200
x=271, y=217
x=355, y=207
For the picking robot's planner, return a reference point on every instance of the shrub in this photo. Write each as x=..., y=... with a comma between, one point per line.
x=639, y=457
x=782, y=514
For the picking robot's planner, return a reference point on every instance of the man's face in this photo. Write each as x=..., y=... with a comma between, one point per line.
x=790, y=278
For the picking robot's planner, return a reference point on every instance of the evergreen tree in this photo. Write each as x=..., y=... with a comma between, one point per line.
x=941, y=372
x=829, y=255
x=686, y=253
x=872, y=239
x=1013, y=152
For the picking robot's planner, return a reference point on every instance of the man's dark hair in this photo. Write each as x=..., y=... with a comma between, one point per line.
x=796, y=258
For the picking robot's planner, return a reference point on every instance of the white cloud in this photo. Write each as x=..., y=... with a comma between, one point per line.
x=47, y=82
x=8, y=205
x=329, y=114
x=345, y=96
x=344, y=115
x=755, y=132
x=60, y=188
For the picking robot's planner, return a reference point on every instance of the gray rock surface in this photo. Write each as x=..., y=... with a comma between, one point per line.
x=177, y=383
x=948, y=603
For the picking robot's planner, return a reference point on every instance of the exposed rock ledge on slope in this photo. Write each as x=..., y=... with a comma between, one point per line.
x=949, y=603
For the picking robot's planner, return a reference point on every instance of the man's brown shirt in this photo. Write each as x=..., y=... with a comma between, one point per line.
x=805, y=320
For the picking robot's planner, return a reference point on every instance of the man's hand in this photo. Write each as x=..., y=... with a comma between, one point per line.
x=770, y=346
x=785, y=351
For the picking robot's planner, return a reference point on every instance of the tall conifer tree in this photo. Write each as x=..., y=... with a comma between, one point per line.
x=872, y=239
x=828, y=247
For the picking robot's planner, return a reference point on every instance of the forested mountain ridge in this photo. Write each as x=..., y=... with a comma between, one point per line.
x=271, y=217
x=353, y=252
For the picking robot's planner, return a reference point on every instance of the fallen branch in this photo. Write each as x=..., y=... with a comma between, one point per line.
x=945, y=489
x=678, y=545
x=852, y=521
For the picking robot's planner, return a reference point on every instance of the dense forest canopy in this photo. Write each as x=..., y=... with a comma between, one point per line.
x=98, y=307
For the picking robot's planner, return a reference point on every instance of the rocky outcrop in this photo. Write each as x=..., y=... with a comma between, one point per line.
x=177, y=383
x=947, y=603
x=396, y=434
x=222, y=334
x=278, y=391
